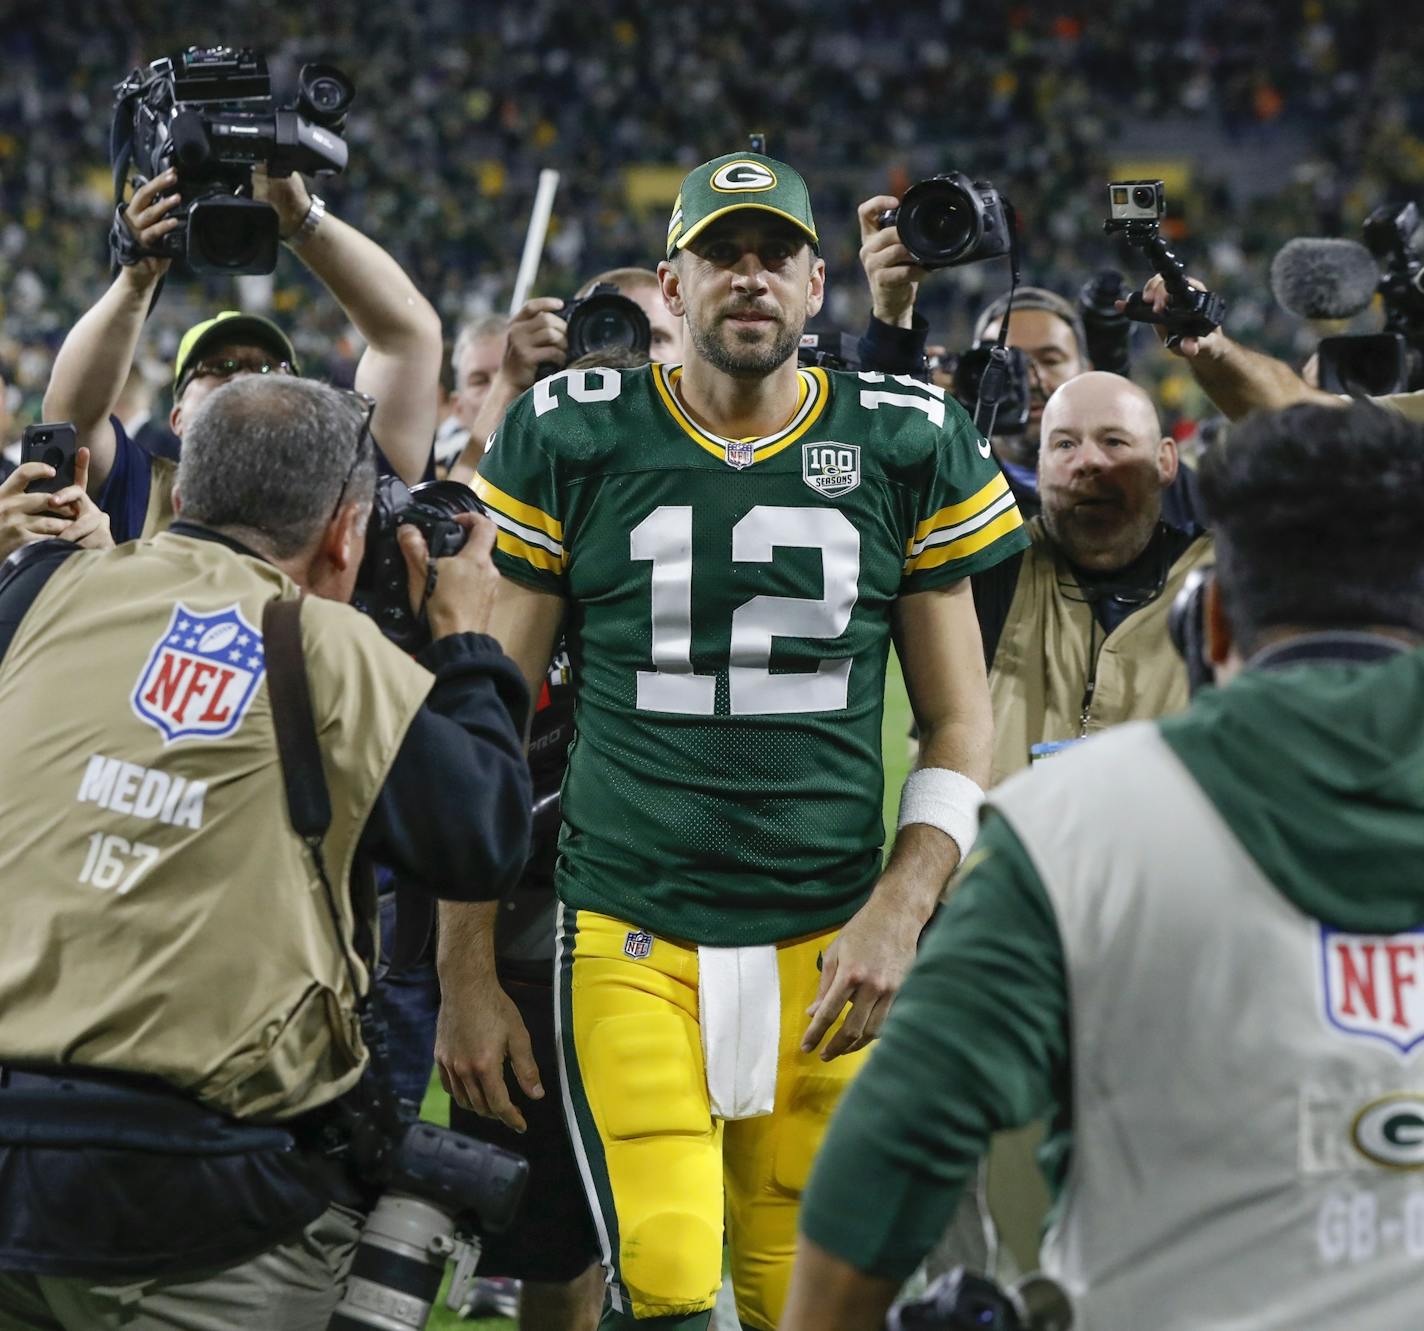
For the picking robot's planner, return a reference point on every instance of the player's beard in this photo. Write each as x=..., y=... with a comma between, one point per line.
x=742, y=360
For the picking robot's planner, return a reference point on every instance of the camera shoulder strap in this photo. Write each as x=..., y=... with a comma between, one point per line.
x=308, y=799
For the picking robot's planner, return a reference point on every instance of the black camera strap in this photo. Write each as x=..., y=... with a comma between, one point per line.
x=994, y=382
x=309, y=807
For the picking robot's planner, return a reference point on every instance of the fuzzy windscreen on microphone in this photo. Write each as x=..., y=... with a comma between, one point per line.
x=1324, y=279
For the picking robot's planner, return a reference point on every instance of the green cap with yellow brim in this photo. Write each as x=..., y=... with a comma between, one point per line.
x=739, y=180
x=227, y=328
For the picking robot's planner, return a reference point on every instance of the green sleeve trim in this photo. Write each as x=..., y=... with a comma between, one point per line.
x=976, y=1043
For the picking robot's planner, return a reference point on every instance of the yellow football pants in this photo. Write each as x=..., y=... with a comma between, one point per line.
x=661, y=1173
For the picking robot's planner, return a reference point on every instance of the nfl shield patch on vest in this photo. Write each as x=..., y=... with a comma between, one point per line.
x=638, y=944
x=831, y=469
x=201, y=676
x=1374, y=985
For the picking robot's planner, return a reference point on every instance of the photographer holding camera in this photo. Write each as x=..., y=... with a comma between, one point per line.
x=627, y=312
x=183, y=1018
x=1193, y=944
x=400, y=366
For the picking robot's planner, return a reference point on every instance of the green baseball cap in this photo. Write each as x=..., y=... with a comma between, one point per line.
x=739, y=180
x=229, y=326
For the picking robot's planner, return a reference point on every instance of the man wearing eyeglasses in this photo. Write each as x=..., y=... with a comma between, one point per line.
x=400, y=366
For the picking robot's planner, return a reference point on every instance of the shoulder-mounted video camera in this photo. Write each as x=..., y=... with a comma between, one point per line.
x=1392, y=361
x=383, y=581
x=949, y=220
x=1136, y=209
x=209, y=113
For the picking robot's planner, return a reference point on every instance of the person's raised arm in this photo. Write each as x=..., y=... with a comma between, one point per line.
x=400, y=367
x=1238, y=380
x=942, y=656
x=92, y=365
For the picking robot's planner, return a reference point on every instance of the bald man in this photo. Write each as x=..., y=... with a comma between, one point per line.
x=1075, y=627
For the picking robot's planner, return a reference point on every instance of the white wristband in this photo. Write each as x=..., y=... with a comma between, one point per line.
x=945, y=799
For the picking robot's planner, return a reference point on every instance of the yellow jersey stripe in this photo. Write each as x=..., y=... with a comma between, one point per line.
x=530, y=554
x=966, y=508
x=966, y=545
x=946, y=535
x=511, y=507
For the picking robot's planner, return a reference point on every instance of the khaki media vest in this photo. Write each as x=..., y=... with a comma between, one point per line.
x=1248, y=1085
x=1043, y=661
x=159, y=913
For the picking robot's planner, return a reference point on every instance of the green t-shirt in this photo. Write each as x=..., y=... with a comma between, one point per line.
x=729, y=627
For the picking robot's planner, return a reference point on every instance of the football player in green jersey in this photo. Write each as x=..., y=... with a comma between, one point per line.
x=730, y=546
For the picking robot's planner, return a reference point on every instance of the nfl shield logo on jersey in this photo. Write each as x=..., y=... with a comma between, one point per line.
x=740, y=453
x=1374, y=985
x=201, y=675
x=638, y=944
x=831, y=469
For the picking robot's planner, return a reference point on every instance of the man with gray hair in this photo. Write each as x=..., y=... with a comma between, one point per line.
x=178, y=997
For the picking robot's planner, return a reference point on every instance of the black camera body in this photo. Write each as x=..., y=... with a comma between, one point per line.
x=961, y=1298
x=949, y=220
x=1009, y=381
x=831, y=351
x=383, y=582
x=604, y=319
x=209, y=114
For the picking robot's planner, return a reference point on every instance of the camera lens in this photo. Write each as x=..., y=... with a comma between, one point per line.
x=607, y=320
x=324, y=94
x=232, y=235
x=1144, y=196
x=938, y=222
x=54, y=456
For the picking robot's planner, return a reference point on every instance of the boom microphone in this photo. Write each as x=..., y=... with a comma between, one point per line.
x=1324, y=279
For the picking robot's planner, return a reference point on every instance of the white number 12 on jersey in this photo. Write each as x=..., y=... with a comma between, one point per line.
x=664, y=538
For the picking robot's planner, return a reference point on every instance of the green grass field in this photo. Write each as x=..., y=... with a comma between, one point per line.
x=895, y=746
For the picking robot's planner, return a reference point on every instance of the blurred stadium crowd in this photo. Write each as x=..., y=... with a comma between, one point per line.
x=1282, y=120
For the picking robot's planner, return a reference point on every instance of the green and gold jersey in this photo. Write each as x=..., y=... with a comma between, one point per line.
x=729, y=624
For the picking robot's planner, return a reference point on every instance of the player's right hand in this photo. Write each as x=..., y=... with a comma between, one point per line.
x=537, y=336
x=465, y=583
x=147, y=216
x=893, y=275
x=477, y=1030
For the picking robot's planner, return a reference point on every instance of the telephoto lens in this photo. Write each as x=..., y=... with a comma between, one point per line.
x=398, y=1266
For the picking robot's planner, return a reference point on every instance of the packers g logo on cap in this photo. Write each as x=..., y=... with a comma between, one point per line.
x=743, y=175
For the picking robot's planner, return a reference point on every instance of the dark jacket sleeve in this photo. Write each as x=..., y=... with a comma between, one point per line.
x=894, y=350
x=453, y=815
x=22, y=578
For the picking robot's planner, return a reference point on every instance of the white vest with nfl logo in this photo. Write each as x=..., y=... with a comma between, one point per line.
x=1248, y=1084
